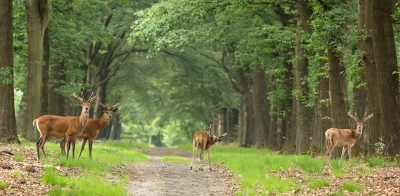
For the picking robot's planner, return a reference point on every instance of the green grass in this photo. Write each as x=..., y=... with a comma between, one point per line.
x=18, y=157
x=175, y=159
x=318, y=183
x=352, y=186
x=88, y=183
x=376, y=162
x=92, y=180
x=256, y=169
x=3, y=185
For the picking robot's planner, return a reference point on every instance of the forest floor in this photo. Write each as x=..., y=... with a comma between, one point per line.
x=157, y=177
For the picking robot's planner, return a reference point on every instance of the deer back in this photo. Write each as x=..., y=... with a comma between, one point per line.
x=55, y=126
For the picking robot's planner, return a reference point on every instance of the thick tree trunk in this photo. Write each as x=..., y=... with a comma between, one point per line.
x=300, y=71
x=45, y=73
x=57, y=101
x=38, y=14
x=337, y=92
x=8, y=125
x=373, y=131
x=321, y=114
x=386, y=64
x=261, y=106
x=246, y=119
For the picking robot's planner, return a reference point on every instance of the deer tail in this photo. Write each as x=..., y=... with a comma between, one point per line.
x=329, y=138
x=34, y=122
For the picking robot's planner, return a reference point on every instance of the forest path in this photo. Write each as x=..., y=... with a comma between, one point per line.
x=157, y=177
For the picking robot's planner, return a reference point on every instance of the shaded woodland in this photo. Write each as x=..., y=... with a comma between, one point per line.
x=271, y=73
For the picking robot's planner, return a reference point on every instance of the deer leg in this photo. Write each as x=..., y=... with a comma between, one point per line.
x=68, y=142
x=82, y=147
x=329, y=151
x=44, y=139
x=73, y=147
x=38, y=147
x=349, y=152
x=209, y=160
x=343, y=152
x=194, y=153
x=90, y=148
x=201, y=160
x=62, y=146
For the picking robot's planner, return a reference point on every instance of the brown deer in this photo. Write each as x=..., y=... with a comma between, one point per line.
x=345, y=138
x=204, y=140
x=93, y=128
x=68, y=127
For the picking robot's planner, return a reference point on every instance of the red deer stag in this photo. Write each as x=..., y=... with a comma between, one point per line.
x=204, y=140
x=93, y=128
x=68, y=127
x=345, y=138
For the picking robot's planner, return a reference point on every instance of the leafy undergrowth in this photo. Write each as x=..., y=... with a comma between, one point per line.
x=264, y=172
x=105, y=174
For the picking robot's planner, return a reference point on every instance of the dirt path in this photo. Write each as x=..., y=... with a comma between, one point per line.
x=160, y=178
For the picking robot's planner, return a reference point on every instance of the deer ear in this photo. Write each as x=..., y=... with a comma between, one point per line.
x=115, y=109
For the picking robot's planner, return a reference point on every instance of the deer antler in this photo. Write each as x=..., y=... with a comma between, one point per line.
x=354, y=118
x=116, y=105
x=367, y=118
x=77, y=97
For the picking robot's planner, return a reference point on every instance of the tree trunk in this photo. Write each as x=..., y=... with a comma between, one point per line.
x=386, y=64
x=337, y=92
x=8, y=124
x=260, y=106
x=300, y=87
x=38, y=14
x=45, y=73
x=57, y=101
x=321, y=114
x=374, y=131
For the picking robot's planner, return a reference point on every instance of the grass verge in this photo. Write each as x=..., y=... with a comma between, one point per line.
x=262, y=172
x=95, y=176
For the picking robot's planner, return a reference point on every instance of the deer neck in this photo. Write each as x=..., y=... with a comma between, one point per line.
x=83, y=119
x=357, y=133
x=102, y=121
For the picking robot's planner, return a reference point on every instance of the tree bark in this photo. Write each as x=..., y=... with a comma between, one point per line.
x=8, y=125
x=321, y=113
x=38, y=15
x=300, y=71
x=386, y=64
x=373, y=132
x=261, y=106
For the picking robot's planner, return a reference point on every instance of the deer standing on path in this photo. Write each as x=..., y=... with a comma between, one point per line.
x=93, y=128
x=345, y=138
x=68, y=127
x=204, y=140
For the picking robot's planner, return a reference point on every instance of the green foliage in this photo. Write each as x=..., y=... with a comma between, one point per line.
x=5, y=75
x=379, y=147
x=352, y=186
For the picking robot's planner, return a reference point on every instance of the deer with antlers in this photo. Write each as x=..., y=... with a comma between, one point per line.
x=345, y=138
x=204, y=140
x=93, y=127
x=68, y=127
